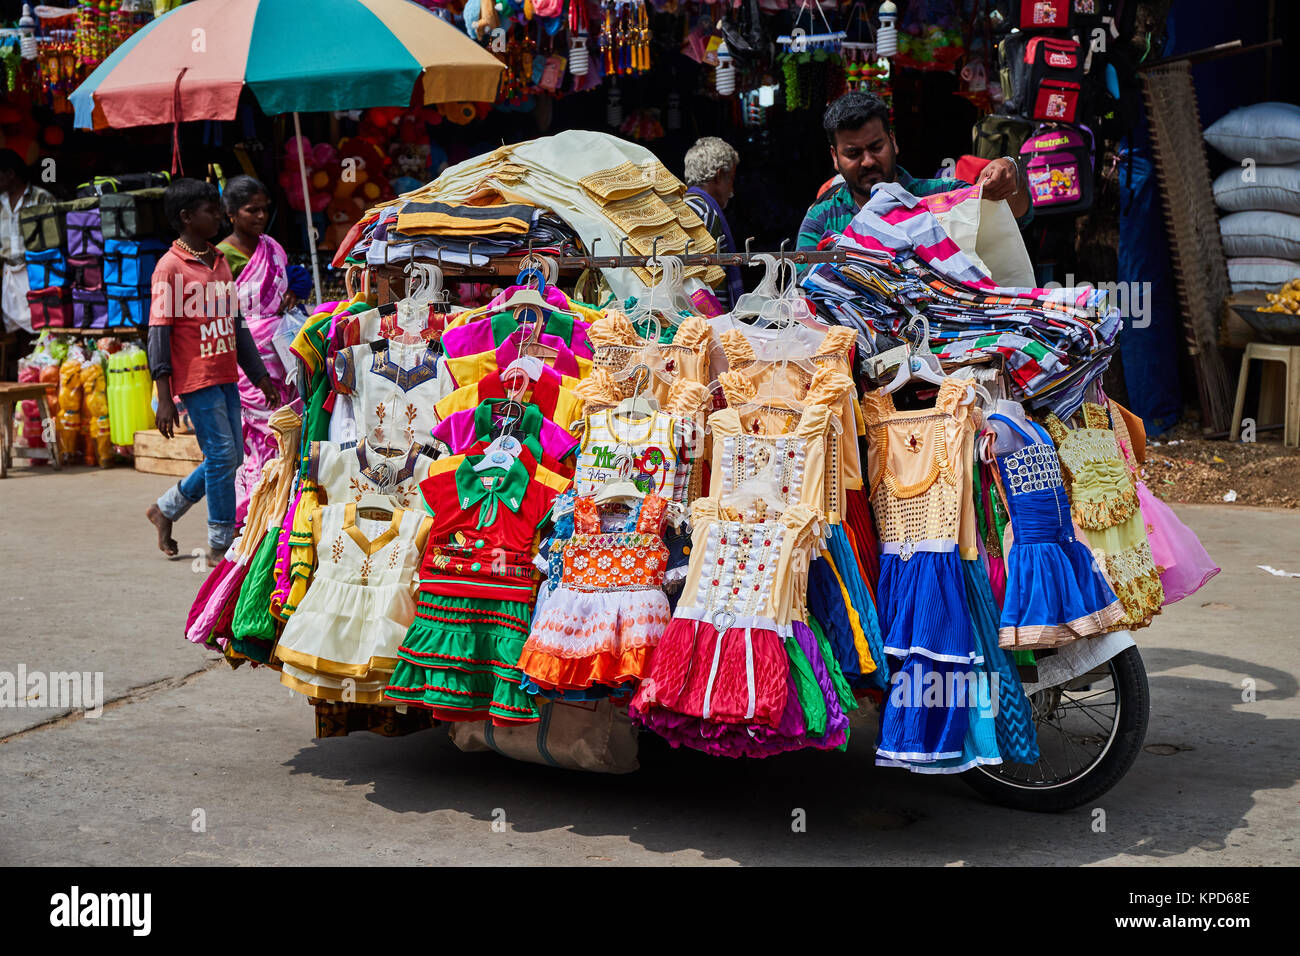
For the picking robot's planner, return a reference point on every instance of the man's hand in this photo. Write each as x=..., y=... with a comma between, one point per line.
x=1000, y=179
x=165, y=420
x=269, y=392
x=288, y=302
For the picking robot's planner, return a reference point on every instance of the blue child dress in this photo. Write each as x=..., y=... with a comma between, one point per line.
x=1055, y=591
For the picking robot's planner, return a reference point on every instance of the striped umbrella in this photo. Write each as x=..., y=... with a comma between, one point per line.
x=295, y=56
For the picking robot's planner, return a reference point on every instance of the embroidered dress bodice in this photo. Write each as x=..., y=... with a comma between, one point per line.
x=797, y=456
x=394, y=389
x=617, y=346
x=823, y=445
x=652, y=442
x=345, y=474
x=1102, y=492
x=834, y=354
x=756, y=571
x=919, y=464
x=360, y=551
x=627, y=554
x=1036, y=498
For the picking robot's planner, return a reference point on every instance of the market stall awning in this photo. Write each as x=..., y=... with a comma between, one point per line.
x=192, y=63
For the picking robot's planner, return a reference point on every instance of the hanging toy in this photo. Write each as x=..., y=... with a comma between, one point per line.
x=887, y=36
x=726, y=78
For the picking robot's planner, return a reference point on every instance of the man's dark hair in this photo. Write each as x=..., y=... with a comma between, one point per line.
x=854, y=111
x=11, y=162
x=185, y=195
x=240, y=192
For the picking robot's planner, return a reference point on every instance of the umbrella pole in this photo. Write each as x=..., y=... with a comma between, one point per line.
x=306, y=205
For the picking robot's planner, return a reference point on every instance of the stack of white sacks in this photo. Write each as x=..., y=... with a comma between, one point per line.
x=1260, y=197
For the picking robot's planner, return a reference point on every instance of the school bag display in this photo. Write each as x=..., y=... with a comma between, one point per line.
x=132, y=215
x=126, y=182
x=45, y=268
x=1058, y=162
x=49, y=308
x=89, y=308
x=131, y=261
x=1046, y=14
x=85, y=238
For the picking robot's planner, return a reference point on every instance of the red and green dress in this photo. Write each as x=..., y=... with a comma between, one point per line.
x=477, y=585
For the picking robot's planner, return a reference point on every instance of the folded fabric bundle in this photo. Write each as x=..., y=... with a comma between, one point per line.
x=901, y=263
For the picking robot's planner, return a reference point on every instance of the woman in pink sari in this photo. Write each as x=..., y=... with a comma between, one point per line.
x=259, y=265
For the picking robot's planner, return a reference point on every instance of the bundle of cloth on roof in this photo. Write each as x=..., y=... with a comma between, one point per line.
x=579, y=184
x=1053, y=343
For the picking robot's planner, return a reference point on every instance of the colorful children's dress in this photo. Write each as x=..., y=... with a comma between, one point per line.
x=357, y=610
x=601, y=624
x=394, y=389
x=1054, y=591
x=477, y=584
x=1180, y=558
x=919, y=466
x=1105, y=504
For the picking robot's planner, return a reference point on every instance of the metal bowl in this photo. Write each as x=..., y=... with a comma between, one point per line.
x=1278, y=328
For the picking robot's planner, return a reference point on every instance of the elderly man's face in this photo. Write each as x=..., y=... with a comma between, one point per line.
x=726, y=185
x=864, y=157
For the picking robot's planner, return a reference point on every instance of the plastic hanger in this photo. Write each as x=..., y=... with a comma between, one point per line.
x=500, y=454
x=373, y=501
x=618, y=486
x=530, y=366
x=922, y=364
x=638, y=404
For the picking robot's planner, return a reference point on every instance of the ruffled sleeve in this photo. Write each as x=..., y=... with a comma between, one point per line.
x=686, y=398
x=736, y=348
x=737, y=387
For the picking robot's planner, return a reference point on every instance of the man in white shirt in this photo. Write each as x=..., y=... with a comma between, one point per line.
x=16, y=193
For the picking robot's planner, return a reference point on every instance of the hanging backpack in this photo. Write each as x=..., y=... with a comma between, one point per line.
x=1059, y=163
x=126, y=182
x=1046, y=14
x=995, y=136
x=1055, y=77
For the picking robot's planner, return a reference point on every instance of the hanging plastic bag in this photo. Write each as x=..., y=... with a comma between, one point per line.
x=69, y=420
x=987, y=232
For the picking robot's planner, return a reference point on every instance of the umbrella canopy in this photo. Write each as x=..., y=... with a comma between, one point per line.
x=192, y=63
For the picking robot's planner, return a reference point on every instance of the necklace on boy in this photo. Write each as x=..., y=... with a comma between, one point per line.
x=191, y=250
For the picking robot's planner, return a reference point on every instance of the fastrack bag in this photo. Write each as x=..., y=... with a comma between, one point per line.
x=596, y=736
x=133, y=215
x=1058, y=162
x=987, y=232
x=49, y=308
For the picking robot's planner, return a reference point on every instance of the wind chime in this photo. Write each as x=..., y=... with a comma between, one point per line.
x=811, y=64
x=865, y=70
x=625, y=37
x=520, y=48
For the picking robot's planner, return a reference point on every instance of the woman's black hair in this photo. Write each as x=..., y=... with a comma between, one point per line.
x=853, y=111
x=240, y=190
x=184, y=195
x=11, y=162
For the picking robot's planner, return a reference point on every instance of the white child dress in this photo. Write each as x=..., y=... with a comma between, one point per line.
x=342, y=642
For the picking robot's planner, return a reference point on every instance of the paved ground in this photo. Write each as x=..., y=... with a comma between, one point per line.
x=85, y=590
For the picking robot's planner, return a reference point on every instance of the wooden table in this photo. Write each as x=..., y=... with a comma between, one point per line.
x=11, y=393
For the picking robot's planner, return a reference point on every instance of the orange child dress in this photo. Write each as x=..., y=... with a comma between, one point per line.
x=602, y=622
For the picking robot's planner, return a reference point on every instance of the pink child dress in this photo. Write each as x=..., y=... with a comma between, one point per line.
x=1180, y=558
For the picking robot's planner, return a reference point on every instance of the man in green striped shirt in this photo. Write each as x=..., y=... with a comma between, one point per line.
x=864, y=153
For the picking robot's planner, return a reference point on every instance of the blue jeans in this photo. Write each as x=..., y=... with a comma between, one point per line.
x=219, y=430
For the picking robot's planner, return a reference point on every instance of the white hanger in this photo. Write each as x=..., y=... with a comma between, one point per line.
x=373, y=501
x=922, y=364
x=638, y=404
x=751, y=303
x=530, y=366
x=618, y=486
x=500, y=454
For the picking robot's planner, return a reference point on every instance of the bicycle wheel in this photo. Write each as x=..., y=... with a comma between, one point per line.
x=1090, y=731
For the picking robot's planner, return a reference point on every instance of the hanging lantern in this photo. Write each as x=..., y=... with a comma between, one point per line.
x=887, y=36
x=726, y=81
x=27, y=33
x=578, y=56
